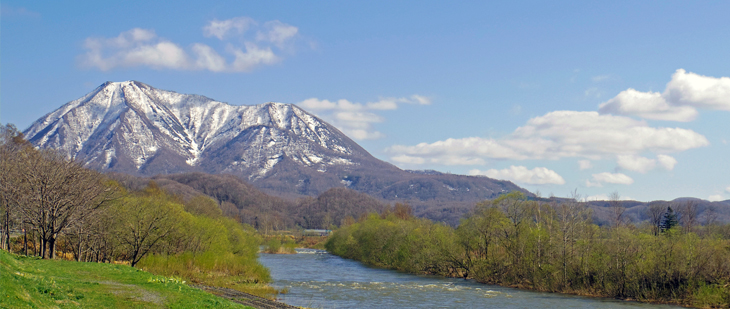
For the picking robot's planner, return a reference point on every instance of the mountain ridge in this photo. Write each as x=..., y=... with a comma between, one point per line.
x=134, y=128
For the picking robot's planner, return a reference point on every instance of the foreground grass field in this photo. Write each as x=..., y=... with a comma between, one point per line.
x=28, y=282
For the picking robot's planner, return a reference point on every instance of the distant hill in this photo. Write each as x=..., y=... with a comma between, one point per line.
x=637, y=212
x=250, y=205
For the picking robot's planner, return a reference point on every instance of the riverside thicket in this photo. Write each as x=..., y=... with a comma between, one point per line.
x=551, y=246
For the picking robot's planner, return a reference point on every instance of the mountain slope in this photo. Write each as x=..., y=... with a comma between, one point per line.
x=133, y=128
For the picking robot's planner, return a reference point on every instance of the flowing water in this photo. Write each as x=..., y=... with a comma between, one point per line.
x=316, y=279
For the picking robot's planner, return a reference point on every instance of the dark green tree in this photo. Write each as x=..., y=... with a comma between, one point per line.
x=670, y=220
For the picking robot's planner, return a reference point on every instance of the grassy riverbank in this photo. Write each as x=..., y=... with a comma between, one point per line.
x=28, y=282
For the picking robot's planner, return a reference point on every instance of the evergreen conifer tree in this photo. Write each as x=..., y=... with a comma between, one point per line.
x=670, y=220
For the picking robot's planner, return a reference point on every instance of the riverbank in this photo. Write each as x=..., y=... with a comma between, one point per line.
x=243, y=298
x=32, y=282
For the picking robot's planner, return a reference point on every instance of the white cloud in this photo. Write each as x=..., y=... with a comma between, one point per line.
x=222, y=28
x=136, y=47
x=561, y=134
x=520, y=174
x=252, y=57
x=667, y=162
x=277, y=32
x=684, y=94
x=687, y=88
x=727, y=189
x=143, y=48
x=649, y=105
x=585, y=164
x=357, y=119
x=208, y=58
x=715, y=198
x=615, y=178
x=636, y=163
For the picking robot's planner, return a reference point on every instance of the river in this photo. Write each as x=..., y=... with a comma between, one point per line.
x=316, y=279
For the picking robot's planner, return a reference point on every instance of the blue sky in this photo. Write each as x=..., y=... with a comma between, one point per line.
x=623, y=96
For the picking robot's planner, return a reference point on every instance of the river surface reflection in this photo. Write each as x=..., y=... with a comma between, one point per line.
x=322, y=280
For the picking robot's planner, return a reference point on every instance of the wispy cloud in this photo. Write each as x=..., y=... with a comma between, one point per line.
x=599, y=78
x=357, y=119
x=144, y=48
x=11, y=11
x=224, y=28
x=585, y=164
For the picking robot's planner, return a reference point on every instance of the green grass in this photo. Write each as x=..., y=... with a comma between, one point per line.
x=27, y=282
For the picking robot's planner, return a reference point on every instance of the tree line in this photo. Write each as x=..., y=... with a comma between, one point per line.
x=553, y=246
x=54, y=207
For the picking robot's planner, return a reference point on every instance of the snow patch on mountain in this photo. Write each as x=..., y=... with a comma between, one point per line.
x=133, y=122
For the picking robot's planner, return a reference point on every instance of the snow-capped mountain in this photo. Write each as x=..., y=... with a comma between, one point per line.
x=133, y=128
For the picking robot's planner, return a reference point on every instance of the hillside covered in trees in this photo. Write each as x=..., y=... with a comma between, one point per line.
x=248, y=205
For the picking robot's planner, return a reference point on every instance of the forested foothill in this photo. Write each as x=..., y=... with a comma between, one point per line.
x=553, y=245
x=266, y=213
x=53, y=207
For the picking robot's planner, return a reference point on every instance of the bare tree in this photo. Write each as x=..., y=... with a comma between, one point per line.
x=11, y=141
x=688, y=215
x=617, y=208
x=656, y=211
x=571, y=216
x=52, y=192
x=710, y=215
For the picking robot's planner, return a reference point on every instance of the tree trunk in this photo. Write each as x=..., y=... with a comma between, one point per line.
x=52, y=247
x=25, y=242
x=43, y=248
x=7, y=227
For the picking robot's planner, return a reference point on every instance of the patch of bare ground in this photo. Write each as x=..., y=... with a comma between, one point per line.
x=243, y=298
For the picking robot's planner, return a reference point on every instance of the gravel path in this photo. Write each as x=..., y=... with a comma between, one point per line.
x=244, y=298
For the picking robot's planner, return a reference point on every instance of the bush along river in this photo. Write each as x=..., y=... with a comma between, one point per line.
x=317, y=279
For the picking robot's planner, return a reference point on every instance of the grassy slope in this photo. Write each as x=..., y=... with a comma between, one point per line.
x=33, y=283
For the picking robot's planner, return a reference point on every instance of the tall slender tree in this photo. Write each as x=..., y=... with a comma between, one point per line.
x=670, y=220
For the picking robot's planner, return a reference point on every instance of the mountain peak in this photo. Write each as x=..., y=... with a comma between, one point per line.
x=132, y=127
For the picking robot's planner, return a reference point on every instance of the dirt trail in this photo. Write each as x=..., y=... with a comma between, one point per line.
x=244, y=298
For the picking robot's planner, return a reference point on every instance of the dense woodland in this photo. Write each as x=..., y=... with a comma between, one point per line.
x=53, y=207
x=551, y=246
